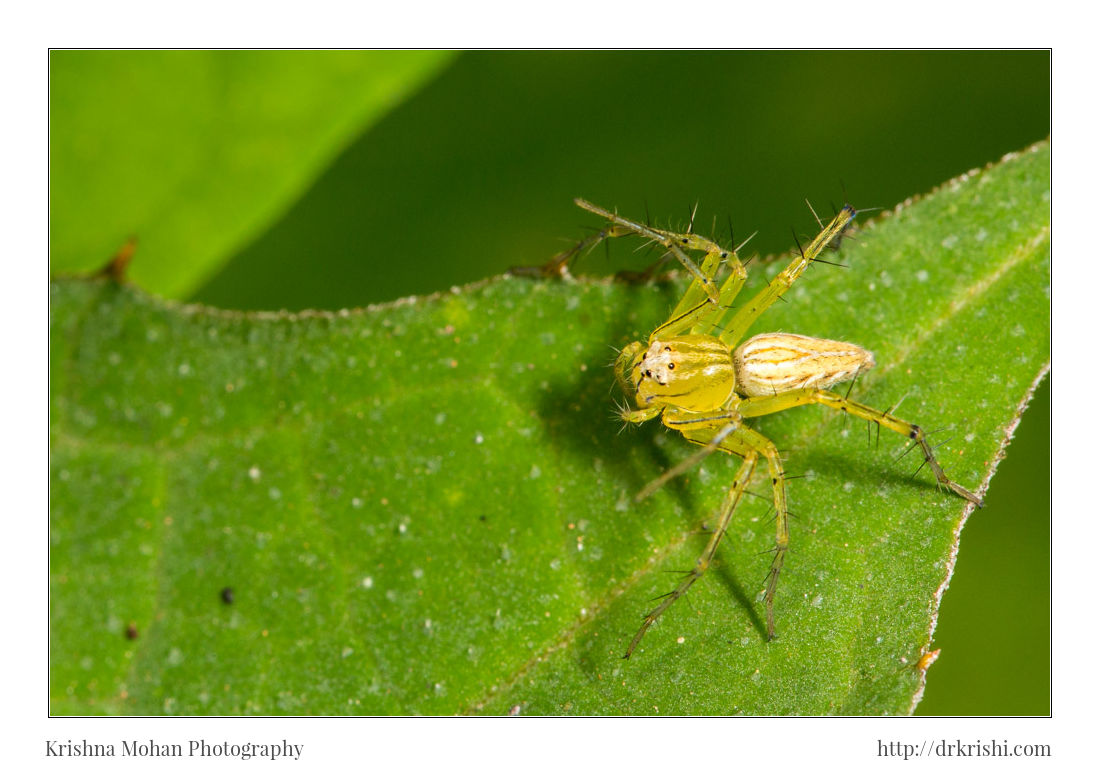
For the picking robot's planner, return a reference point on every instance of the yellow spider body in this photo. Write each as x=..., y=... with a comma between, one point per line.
x=694, y=372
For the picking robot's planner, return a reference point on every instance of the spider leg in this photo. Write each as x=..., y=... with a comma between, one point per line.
x=735, y=329
x=688, y=423
x=702, y=316
x=765, y=405
x=558, y=265
x=744, y=474
x=673, y=243
x=695, y=312
x=767, y=448
x=704, y=304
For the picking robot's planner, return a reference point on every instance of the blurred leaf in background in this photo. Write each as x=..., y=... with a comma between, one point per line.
x=994, y=620
x=478, y=172
x=196, y=153
x=355, y=187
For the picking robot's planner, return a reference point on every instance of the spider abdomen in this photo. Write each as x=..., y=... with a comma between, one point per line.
x=769, y=364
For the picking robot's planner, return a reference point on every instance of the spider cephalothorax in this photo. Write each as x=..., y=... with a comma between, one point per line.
x=692, y=371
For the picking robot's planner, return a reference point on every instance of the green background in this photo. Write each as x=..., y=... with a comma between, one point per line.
x=336, y=180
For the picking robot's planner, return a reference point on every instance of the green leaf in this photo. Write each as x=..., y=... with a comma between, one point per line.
x=194, y=153
x=425, y=507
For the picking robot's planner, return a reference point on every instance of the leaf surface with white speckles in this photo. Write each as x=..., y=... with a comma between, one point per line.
x=424, y=507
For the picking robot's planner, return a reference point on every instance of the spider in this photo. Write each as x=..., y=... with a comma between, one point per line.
x=705, y=386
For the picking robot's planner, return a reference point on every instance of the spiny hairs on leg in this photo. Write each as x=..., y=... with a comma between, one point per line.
x=664, y=238
x=744, y=474
x=766, y=405
x=937, y=470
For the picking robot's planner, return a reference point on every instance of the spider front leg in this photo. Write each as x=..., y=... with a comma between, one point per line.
x=695, y=312
x=744, y=318
x=674, y=243
x=558, y=265
x=766, y=405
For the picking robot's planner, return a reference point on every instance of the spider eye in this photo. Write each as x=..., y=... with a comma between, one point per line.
x=671, y=365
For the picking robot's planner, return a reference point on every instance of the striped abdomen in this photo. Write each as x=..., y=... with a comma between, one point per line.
x=768, y=364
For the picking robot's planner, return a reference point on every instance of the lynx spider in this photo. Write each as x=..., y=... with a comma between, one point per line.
x=705, y=386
